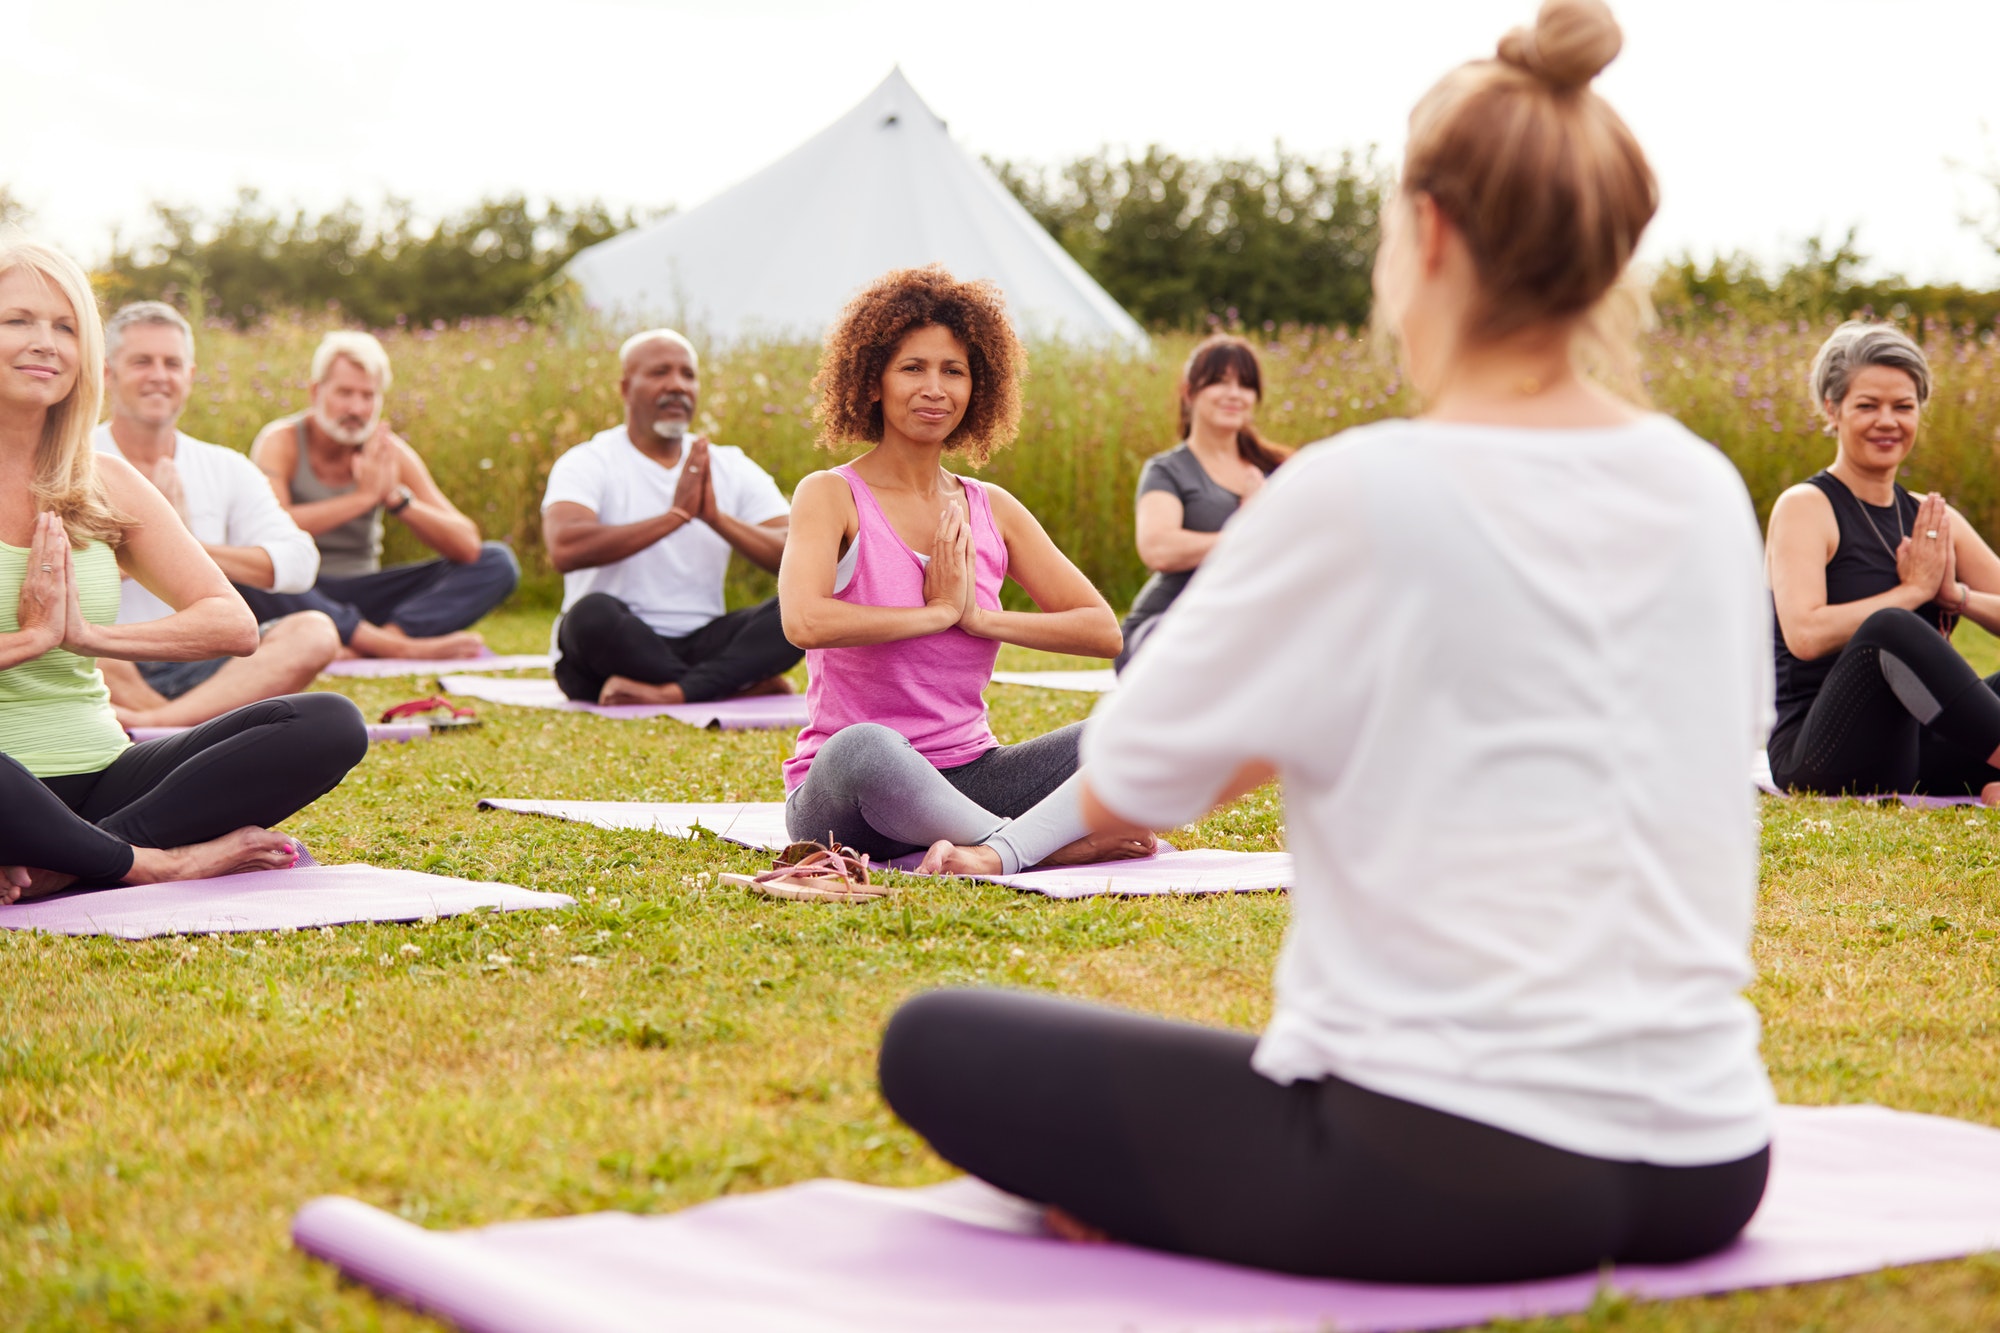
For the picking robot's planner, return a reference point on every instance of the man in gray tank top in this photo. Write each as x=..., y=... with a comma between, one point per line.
x=338, y=469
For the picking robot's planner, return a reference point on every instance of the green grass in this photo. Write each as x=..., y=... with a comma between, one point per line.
x=165, y=1105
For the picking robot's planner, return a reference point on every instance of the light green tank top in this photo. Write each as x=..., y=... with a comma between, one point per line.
x=55, y=714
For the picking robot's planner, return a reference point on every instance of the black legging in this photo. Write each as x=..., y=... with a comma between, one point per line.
x=1900, y=711
x=1161, y=1134
x=256, y=765
x=600, y=638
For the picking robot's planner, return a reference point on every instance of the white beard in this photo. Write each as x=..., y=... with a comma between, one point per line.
x=340, y=434
x=670, y=428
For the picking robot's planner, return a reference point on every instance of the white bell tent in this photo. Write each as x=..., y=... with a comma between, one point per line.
x=883, y=187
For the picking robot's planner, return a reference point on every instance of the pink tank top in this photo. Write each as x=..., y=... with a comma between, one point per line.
x=932, y=690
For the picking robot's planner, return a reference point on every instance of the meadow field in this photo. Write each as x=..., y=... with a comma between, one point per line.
x=166, y=1105
x=492, y=405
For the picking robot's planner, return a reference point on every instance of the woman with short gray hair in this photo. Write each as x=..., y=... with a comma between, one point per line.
x=1868, y=581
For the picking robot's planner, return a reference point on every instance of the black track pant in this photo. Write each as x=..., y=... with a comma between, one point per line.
x=1900, y=711
x=424, y=600
x=258, y=764
x=1161, y=1134
x=601, y=638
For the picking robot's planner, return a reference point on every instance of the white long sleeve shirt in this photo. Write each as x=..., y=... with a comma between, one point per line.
x=1509, y=678
x=229, y=503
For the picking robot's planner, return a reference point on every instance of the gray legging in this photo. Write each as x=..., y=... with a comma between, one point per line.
x=869, y=788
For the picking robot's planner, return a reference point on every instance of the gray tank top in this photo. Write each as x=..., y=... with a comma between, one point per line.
x=355, y=547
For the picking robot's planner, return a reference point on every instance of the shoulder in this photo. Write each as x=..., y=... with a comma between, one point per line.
x=1803, y=504
x=277, y=441
x=825, y=487
x=122, y=482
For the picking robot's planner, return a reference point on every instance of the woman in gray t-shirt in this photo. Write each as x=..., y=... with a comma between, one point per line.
x=1187, y=493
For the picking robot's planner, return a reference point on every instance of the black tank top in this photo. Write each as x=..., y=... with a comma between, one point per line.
x=1863, y=565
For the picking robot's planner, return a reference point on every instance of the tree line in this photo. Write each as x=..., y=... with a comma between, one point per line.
x=1181, y=242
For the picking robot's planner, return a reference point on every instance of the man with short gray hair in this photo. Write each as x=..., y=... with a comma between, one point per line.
x=641, y=520
x=226, y=504
x=337, y=469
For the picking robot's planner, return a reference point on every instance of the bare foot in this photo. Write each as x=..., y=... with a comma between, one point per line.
x=1102, y=847
x=1990, y=794
x=945, y=858
x=769, y=685
x=388, y=641
x=625, y=690
x=1064, y=1226
x=21, y=884
x=231, y=854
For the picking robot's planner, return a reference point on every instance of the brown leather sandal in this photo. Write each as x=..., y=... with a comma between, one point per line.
x=814, y=872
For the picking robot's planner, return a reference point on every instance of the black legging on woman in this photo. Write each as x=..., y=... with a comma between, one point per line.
x=1899, y=711
x=257, y=765
x=1162, y=1134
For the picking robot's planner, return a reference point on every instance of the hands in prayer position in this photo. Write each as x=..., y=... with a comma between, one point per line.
x=50, y=606
x=1925, y=558
x=950, y=577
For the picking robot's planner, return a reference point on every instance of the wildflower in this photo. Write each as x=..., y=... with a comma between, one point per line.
x=410, y=950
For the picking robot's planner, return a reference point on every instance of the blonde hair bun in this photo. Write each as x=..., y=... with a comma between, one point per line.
x=1571, y=43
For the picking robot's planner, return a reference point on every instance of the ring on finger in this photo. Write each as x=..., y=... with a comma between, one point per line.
x=1931, y=533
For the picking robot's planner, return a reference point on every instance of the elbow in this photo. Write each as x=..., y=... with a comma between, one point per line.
x=800, y=631
x=1107, y=640
x=239, y=637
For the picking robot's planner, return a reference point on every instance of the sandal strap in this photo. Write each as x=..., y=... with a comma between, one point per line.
x=813, y=860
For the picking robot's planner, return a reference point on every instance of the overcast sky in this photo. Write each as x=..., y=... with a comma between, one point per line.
x=1767, y=120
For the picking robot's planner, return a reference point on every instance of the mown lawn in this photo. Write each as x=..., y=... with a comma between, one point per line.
x=166, y=1105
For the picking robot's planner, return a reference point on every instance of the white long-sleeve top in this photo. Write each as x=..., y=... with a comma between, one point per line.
x=1509, y=678
x=229, y=503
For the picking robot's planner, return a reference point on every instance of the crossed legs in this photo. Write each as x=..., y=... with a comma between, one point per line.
x=292, y=651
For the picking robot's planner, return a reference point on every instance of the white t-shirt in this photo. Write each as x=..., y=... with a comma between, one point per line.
x=229, y=503
x=1510, y=679
x=674, y=585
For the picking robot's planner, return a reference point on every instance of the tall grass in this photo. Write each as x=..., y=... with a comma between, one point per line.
x=492, y=404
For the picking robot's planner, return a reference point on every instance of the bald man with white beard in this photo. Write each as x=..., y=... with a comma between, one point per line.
x=641, y=520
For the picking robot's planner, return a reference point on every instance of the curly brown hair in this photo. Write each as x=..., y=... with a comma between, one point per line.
x=873, y=326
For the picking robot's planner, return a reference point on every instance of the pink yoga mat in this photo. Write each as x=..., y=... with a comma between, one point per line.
x=761, y=824
x=749, y=714
x=295, y=899
x=377, y=731
x=1853, y=1189
x=375, y=668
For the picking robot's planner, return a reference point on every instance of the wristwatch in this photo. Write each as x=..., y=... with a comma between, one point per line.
x=403, y=497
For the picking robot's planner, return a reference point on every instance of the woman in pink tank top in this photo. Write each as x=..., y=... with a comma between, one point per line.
x=891, y=583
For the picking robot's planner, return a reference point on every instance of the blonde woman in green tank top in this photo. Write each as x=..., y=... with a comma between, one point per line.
x=80, y=805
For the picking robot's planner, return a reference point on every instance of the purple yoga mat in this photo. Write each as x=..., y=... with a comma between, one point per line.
x=761, y=824
x=296, y=899
x=1853, y=1189
x=377, y=731
x=375, y=668
x=748, y=714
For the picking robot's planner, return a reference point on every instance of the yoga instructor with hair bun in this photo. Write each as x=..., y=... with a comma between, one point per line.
x=1868, y=581
x=891, y=583
x=1187, y=493
x=1507, y=659
x=80, y=805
